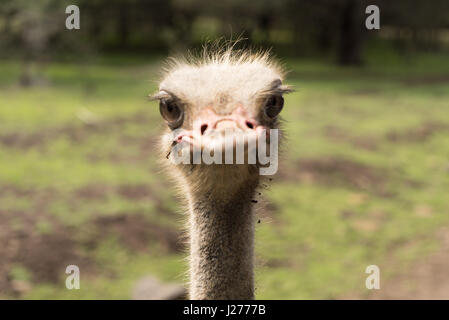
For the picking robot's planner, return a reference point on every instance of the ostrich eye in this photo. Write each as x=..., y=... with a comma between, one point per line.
x=274, y=105
x=171, y=112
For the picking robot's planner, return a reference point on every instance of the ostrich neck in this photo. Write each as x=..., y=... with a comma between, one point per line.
x=222, y=245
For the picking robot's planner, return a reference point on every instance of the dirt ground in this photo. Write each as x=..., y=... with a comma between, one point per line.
x=427, y=278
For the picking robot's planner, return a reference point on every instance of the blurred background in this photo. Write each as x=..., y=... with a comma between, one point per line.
x=364, y=179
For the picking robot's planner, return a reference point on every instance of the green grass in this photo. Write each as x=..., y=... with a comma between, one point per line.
x=319, y=235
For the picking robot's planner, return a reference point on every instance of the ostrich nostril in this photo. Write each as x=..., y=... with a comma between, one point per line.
x=249, y=125
x=203, y=128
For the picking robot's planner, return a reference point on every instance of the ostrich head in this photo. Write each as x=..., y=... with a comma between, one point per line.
x=224, y=101
x=218, y=108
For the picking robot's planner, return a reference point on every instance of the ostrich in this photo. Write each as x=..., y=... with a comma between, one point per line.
x=224, y=90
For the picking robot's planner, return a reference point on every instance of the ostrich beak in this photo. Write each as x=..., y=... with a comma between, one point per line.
x=209, y=128
x=210, y=122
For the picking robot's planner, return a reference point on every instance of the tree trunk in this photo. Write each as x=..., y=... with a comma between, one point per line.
x=350, y=44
